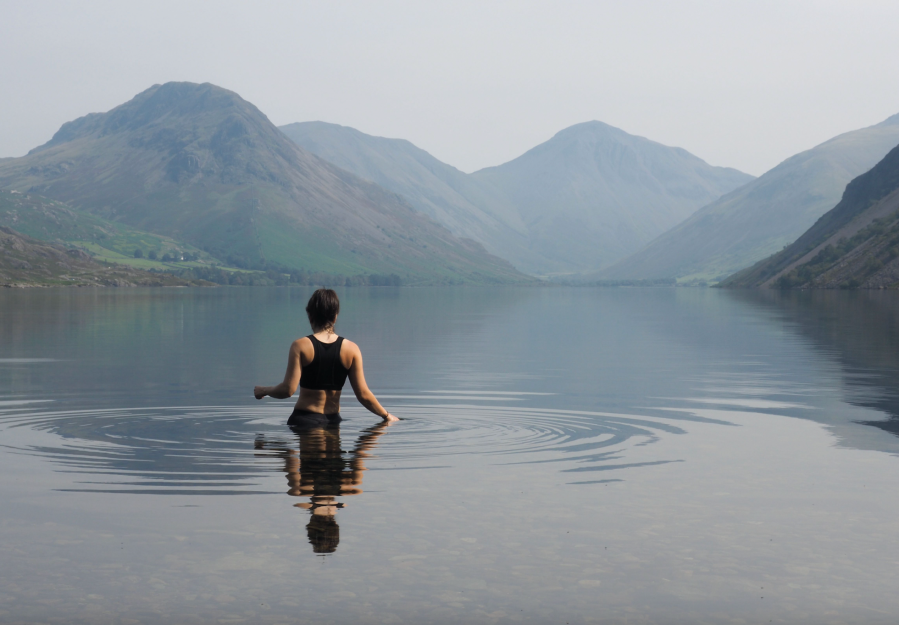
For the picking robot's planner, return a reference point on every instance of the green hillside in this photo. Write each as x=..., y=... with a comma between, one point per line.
x=25, y=261
x=856, y=244
x=762, y=217
x=49, y=220
x=198, y=164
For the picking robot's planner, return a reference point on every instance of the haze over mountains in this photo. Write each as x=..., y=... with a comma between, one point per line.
x=854, y=244
x=762, y=217
x=447, y=195
x=593, y=193
x=581, y=200
x=199, y=163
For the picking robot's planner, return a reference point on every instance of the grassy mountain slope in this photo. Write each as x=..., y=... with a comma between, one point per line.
x=854, y=244
x=49, y=220
x=593, y=193
x=762, y=217
x=200, y=164
x=25, y=261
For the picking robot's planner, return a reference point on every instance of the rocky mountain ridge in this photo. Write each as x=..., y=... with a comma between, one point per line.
x=855, y=244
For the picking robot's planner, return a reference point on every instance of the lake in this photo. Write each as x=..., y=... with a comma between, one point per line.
x=565, y=456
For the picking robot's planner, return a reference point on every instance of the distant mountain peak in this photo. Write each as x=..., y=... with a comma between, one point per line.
x=169, y=100
x=592, y=134
x=892, y=120
x=591, y=131
x=594, y=193
x=593, y=125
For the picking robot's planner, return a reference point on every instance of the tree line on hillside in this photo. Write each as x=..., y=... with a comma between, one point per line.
x=168, y=257
x=616, y=283
x=282, y=276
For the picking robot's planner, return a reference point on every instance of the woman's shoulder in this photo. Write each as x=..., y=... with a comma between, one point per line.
x=348, y=352
x=348, y=348
x=302, y=344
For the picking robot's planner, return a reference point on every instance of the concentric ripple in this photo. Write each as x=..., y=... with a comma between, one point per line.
x=231, y=450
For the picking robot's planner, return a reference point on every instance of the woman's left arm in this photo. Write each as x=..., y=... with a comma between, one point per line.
x=288, y=386
x=360, y=388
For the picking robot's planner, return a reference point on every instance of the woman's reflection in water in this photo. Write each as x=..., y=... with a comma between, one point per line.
x=321, y=470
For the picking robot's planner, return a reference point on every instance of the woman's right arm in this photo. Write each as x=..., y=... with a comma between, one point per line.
x=288, y=385
x=360, y=388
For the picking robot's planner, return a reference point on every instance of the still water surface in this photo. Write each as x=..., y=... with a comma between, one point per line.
x=566, y=456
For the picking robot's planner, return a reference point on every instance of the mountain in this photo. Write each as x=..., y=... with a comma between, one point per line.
x=762, y=217
x=200, y=164
x=25, y=261
x=593, y=193
x=854, y=244
x=450, y=197
x=581, y=200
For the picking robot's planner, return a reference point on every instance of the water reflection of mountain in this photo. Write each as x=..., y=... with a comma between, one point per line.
x=316, y=467
x=859, y=330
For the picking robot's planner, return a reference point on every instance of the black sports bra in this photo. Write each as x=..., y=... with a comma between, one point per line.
x=326, y=372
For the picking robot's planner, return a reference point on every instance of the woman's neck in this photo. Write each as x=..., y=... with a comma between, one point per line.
x=324, y=333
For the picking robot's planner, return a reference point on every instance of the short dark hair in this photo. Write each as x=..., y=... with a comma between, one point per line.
x=323, y=533
x=322, y=308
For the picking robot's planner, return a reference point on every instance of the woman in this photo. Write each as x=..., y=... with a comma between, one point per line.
x=320, y=364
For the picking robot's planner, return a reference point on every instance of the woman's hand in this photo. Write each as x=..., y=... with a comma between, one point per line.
x=260, y=391
x=390, y=418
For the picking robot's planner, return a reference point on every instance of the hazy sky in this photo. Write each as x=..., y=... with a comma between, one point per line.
x=742, y=84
